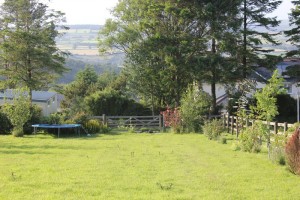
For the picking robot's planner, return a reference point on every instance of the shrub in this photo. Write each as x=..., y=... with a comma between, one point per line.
x=5, y=125
x=277, y=153
x=292, y=150
x=223, y=140
x=213, y=129
x=250, y=138
x=19, y=111
x=35, y=118
x=172, y=119
x=92, y=126
x=195, y=106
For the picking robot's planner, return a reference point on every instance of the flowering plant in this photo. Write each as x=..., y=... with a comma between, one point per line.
x=172, y=118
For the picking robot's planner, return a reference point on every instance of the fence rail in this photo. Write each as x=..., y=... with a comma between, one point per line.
x=131, y=121
x=233, y=126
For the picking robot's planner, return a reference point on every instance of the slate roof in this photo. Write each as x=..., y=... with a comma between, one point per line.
x=39, y=96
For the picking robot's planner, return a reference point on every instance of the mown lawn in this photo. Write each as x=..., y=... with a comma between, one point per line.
x=137, y=166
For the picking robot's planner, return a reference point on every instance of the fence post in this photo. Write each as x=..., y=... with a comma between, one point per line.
x=228, y=122
x=247, y=122
x=237, y=126
x=232, y=125
x=104, y=119
x=275, y=127
x=160, y=123
x=285, y=127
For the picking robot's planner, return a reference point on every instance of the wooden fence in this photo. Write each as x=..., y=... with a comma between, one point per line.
x=132, y=121
x=233, y=126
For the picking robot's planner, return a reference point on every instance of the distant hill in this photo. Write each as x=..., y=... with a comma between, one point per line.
x=81, y=42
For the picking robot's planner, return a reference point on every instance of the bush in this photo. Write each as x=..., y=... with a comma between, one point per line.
x=194, y=108
x=172, y=118
x=5, y=125
x=250, y=138
x=213, y=129
x=35, y=118
x=18, y=110
x=92, y=126
x=292, y=150
x=112, y=102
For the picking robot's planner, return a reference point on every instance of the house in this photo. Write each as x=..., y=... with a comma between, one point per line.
x=47, y=100
x=262, y=75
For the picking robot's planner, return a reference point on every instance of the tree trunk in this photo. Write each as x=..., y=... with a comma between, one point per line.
x=213, y=78
x=244, y=61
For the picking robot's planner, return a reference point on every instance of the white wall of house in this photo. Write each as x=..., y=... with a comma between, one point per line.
x=51, y=106
x=48, y=107
x=220, y=89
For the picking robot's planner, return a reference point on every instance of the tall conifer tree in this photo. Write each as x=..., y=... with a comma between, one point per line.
x=254, y=16
x=28, y=52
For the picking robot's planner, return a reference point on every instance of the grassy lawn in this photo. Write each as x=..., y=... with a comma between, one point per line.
x=137, y=166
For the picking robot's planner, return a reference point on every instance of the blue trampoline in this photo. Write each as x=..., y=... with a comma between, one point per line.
x=57, y=126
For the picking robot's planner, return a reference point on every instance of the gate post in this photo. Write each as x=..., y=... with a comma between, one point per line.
x=104, y=119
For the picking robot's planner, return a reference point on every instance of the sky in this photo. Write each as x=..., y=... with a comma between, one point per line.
x=97, y=11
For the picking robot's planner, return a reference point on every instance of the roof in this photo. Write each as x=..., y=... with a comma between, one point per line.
x=39, y=96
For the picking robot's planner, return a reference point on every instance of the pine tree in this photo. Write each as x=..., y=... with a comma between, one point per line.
x=29, y=56
x=254, y=16
x=294, y=33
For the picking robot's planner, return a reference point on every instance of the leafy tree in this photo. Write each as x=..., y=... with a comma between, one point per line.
x=18, y=111
x=81, y=87
x=254, y=17
x=266, y=108
x=112, y=102
x=195, y=107
x=160, y=38
x=29, y=55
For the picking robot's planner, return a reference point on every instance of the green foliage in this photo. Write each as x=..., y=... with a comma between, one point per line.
x=92, y=126
x=287, y=108
x=36, y=113
x=266, y=108
x=54, y=118
x=29, y=55
x=293, y=33
x=5, y=124
x=18, y=111
x=112, y=102
x=251, y=137
x=195, y=107
x=213, y=129
x=254, y=14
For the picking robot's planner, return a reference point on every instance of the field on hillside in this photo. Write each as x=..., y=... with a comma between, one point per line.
x=137, y=166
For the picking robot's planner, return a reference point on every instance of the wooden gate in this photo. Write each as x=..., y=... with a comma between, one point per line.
x=132, y=121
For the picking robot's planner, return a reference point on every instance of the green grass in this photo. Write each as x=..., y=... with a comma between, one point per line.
x=137, y=166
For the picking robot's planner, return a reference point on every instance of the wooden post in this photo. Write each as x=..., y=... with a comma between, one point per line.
x=232, y=125
x=247, y=122
x=285, y=127
x=104, y=119
x=275, y=127
x=228, y=123
x=237, y=126
x=160, y=123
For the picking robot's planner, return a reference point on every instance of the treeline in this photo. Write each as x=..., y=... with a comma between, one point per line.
x=170, y=44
